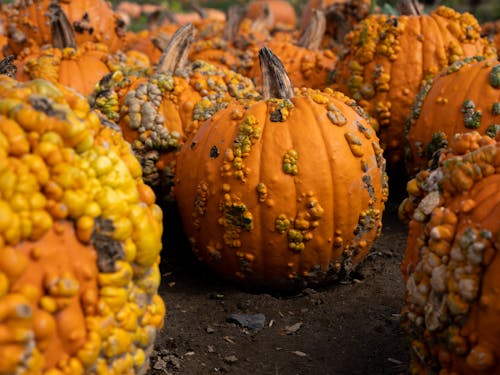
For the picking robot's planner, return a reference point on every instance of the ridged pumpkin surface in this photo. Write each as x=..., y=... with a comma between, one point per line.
x=389, y=58
x=80, y=236
x=451, y=264
x=464, y=97
x=284, y=192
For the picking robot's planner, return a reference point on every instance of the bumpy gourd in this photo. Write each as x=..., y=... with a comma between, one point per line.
x=285, y=192
x=80, y=237
x=463, y=97
x=451, y=263
x=388, y=59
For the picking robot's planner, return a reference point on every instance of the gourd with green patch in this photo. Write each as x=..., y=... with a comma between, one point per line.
x=286, y=192
x=463, y=97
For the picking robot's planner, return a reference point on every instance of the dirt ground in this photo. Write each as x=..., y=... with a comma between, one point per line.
x=350, y=327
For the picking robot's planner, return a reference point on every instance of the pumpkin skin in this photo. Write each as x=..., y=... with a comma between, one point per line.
x=92, y=20
x=263, y=190
x=451, y=265
x=388, y=59
x=463, y=97
x=80, y=237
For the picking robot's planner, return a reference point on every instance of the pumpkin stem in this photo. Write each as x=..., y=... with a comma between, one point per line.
x=199, y=10
x=409, y=8
x=7, y=66
x=159, y=16
x=61, y=31
x=175, y=54
x=263, y=21
x=312, y=36
x=234, y=16
x=335, y=15
x=275, y=81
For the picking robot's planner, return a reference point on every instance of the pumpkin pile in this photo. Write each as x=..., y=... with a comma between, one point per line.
x=271, y=131
x=389, y=57
x=80, y=236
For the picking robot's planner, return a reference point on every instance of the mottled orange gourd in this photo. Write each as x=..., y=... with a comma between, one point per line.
x=285, y=192
x=389, y=58
x=80, y=237
x=92, y=20
x=451, y=263
x=463, y=97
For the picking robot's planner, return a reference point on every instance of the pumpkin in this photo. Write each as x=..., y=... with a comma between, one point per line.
x=286, y=192
x=156, y=112
x=92, y=20
x=451, y=266
x=7, y=66
x=463, y=97
x=79, y=67
x=306, y=63
x=80, y=236
x=389, y=57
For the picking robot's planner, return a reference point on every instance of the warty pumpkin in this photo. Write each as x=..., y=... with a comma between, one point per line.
x=156, y=112
x=286, y=192
x=463, y=97
x=451, y=265
x=92, y=20
x=80, y=237
x=388, y=58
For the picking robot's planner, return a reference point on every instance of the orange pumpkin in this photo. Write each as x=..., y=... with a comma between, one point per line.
x=388, y=58
x=285, y=192
x=92, y=20
x=80, y=236
x=463, y=97
x=451, y=265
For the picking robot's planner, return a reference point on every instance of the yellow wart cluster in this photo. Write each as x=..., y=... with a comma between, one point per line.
x=299, y=229
x=80, y=236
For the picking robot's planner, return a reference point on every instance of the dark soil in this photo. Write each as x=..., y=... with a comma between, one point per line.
x=351, y=327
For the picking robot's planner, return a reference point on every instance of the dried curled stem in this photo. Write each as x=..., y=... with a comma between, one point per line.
x=409, y=8
x=7, y=66
x=312, y=36
x=275, y=80
x=61, y=30
x=175, y=54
